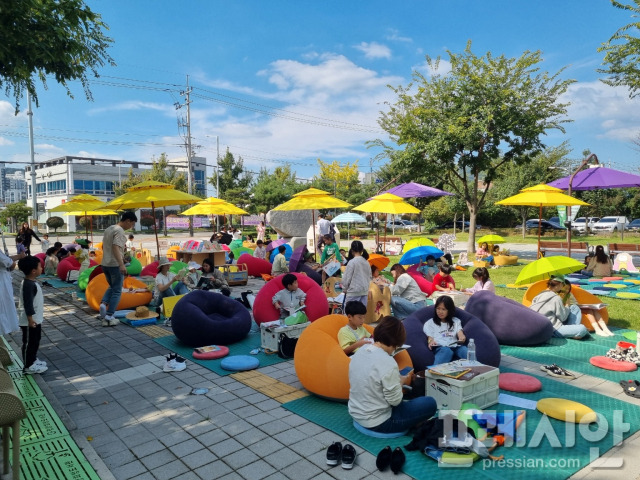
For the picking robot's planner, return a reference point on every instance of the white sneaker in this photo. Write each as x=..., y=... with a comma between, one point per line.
x=103, y=310
x=35, y=369
x=174, y=366
x=40, y=362
x=110, y=321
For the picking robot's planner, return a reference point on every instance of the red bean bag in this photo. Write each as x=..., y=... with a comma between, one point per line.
x=611, y=364
x=255, y=266
x=69, y=263
x=317, y=304
x=519, y=382
x=128, y=301
x=425, y=285
x=41, y=256
x=96, y=271
x=151, y=270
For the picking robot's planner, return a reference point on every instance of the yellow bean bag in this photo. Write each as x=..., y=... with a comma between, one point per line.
x=320, y=363
x=582, y=296
x=502, y=260
x=248, y=244
x=98, y=285
x=96, y=255
x=566, y=410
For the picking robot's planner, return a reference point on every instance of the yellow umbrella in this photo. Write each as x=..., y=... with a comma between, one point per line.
x=90, y=214
x=541, y=196
x=151, y=194
x=214, y=206
x=386, y=203
x=82, y=203
x=417, y=242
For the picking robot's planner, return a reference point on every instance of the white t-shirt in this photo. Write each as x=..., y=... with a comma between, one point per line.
x=324, y=226
x=442, y=334
x=113, y=235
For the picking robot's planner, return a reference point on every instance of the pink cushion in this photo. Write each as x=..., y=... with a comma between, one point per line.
x=611, y=279
x=611, y=364
x=519, y=382
x=255, y=266
x=222, y=352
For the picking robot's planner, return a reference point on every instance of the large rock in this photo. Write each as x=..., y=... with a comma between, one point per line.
x=293, y=223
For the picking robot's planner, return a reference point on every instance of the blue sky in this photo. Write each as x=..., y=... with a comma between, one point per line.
x=290, y=82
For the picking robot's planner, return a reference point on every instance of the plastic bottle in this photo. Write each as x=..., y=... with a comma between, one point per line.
x=471, y=351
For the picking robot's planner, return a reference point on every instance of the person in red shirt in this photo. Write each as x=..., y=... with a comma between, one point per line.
x=443, y=281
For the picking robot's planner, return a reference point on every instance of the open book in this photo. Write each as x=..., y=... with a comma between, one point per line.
x=209, y=348
x=293, y=310
x=595, y=306
x=449, y=373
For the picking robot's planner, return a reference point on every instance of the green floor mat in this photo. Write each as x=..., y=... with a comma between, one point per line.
x=573, y=355
x=42, y=422
x=56, y=459
x=25, y=385
x=522, y=462
x=243, y=347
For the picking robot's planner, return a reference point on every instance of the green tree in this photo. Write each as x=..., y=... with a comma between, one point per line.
x=340, y=180
x=19, y=212
x=55, y=223
x=235, y=181
x=273, y=188
x=622, y=53
x=465, y=126
x=64, y=39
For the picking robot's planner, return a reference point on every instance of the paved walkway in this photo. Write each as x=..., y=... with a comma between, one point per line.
x=132, y=420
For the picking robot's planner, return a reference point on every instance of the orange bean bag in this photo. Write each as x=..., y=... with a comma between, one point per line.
x=96, y=255
x=96, y=288
x=582, y=296
x=320, y=363
x=255, y=266
x=70, y=263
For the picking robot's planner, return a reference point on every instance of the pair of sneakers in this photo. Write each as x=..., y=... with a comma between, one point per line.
x=175, y=363
x=107, y=320
x=336, y=452
x=388, y=458
x=556, y=371
x=37, y=367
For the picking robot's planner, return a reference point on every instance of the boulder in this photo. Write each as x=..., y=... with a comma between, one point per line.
x=293, y=223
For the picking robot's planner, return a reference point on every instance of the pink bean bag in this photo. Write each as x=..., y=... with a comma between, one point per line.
x=151, y=270
x=255, y=266
x=519, y=382
x=317, y=304
x=69, y=263
x=425, y=285
x=41, y=256
x=611, y=364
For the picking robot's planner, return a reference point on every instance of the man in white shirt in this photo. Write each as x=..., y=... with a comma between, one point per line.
x=324, y=228
x=113, y=243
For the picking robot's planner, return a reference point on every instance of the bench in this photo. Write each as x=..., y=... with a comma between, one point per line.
x=550, y=246
x=393, y=245
x=615, y=248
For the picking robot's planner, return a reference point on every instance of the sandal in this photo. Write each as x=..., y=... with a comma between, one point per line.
x=631, y=387
x=556, y=371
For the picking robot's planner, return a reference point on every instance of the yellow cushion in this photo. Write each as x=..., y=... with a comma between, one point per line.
x=566, y=410
x=169, y=302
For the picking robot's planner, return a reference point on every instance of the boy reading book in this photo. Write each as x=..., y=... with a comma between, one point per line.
x=290, y=298
x=353, y=335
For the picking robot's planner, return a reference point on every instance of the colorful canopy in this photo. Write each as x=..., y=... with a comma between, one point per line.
x=413, y=189
x=598, y=177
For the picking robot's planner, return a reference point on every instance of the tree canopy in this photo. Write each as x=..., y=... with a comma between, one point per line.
x=234, y=179
x=64, y=39
x=464, y=126
x=273, y=188
x=18, y=211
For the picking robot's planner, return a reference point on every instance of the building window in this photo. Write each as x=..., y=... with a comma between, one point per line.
x=57, y=187
x=41, y=188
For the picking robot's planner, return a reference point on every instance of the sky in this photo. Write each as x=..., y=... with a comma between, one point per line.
x=292, y=82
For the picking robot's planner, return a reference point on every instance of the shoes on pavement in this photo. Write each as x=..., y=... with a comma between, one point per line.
x=348, y=456
x=334, y=452
x=397, y=460
x=110, y=321
x=103, y=310
x=383, y=460
x=556, y=371
x=35, y=369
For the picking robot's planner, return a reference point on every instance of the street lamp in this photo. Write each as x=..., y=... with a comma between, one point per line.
x=590, y=159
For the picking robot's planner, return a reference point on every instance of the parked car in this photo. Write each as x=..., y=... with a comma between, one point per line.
x=448, y=225
x=554, y=220
x=580, y=224
x=545, y=226
x=399, y=224
x=634, y=226
x=610, y=224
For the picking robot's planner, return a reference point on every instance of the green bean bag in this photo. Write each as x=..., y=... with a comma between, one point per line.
x=83, y=278
x=135, y=267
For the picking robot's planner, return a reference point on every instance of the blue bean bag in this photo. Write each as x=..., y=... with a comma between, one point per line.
x=206, y=318
x=488, y=349
x=288, y=251
x=511, y=322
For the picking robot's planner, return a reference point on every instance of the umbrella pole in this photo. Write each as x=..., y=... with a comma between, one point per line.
x=384, y=243
x=313, y=231
x=539, y=222
x=86, y=227
x=155, y=229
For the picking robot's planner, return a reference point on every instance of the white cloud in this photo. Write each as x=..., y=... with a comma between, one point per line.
x=4, y=142
x=133, y=105
x=394, y=36
x=374, y=50
x=443, y=68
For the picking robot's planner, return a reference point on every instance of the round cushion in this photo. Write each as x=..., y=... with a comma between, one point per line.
x=488, y=348
x=67, y=264
x=519, y=382
x=627, y=295
x=42, y=257
x=373, y=433
x=128, y=300
x=317, y=304
x=607, y=363
x=221, y=352
x=615, y=286
x=255, y=266
x=287, y=252
x=631, y=336
x=122, y=313
x=207, y=318
x=597, y=280
x=135, y=267
x=610, y=279
x=425, y=285
x=566, y=410
x=511, y=322
x=85, y=277
x=239, y=363
x=321, y=365
x=597, y=291
x=582, y=296
x=151, y=270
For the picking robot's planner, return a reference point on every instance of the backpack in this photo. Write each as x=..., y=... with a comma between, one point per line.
x=286, y=346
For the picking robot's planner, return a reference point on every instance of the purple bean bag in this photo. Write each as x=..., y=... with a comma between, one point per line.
x=206, y=318
x=311, y=273
x=488, y=349
x=511, y=322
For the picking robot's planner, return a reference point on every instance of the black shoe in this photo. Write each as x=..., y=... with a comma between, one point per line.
x=334, y=452
x=348, y=457
x=245, y=301
x=225, y=291
x=384, y=458
x=397, y=460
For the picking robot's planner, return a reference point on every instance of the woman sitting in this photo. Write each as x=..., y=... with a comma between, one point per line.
x=444, y=333
x=164, y=279
x=566, y=319
x=599, y=265
x=213, y=277
x=375, y=393
x=406, y=294
x=481, y=276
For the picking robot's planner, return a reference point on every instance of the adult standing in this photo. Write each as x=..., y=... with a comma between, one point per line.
x=324, y=228
x=113, y=243
x=261, y=229
x=8, y=313
x=27, y=235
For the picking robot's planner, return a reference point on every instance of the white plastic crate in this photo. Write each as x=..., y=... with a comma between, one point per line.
x=451, y=393
x=269, y=335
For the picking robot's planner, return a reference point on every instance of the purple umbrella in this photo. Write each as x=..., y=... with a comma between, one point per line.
x=598, y=178
x=297, y=258
x=276, y=243
x=412, y=189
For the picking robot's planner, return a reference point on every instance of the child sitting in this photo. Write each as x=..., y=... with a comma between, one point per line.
x=290, y=297
x=82, y=255
x=353, y=335
x=481, y=276
x=443, y=281
x=20, y=248
x=260, y=250
x=51, y=262
x=164, y=280
x=430, y=269
x=279, y=262
x=444, y=333
x=231, y=259
x=192, y=279
x=482, y=251
x=378, y=279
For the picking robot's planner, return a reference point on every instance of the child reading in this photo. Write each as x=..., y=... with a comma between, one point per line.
x=290, y=298
x=280, y=262
x=353, y=335
x=483, y=282
x=31, y=314
x=444, y=333
x=443, y=281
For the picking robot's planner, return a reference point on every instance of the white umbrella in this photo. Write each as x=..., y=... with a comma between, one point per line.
x=348, y=218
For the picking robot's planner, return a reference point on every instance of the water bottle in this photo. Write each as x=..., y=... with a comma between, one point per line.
x=471, y=351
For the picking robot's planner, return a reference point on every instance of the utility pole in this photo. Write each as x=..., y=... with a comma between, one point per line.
x=34, y=201
x=217, y=178
x=187, y=124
